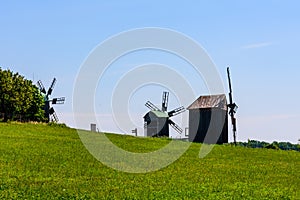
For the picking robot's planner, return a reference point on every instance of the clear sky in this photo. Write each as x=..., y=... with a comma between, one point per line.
x=259, y=40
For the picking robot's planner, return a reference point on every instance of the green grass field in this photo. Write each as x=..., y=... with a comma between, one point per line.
x=48, y=162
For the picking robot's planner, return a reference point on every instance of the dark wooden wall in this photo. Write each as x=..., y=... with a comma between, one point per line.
x=208, y=125
x=156, y=126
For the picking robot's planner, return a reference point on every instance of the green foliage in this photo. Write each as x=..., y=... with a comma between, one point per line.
x=54, y=124
x=20, y=99
x=271, y=146
x=274, y=145
x=50, y=162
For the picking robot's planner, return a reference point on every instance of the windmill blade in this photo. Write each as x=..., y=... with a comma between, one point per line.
x=233, y=122
x=151, y=106
x=175, y=126
x=51, y=111
x=60, y=100
x=51, y=87
x=164, y=103
x=54, y=117
x=41, y=87
x=176, y=111
x=232, y=107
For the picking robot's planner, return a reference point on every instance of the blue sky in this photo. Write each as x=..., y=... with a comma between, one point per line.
x=259, y=40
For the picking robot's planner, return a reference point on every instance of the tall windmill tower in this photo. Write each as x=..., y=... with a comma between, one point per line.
x=157, y=121
x=50, y=114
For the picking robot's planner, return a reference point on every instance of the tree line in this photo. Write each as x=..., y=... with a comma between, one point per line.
x=273, y=145
x=20, y=99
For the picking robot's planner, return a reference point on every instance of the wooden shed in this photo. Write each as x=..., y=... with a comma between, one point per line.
x=208, y=120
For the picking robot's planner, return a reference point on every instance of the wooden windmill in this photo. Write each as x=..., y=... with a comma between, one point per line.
x=50, y=114
x=157, y=121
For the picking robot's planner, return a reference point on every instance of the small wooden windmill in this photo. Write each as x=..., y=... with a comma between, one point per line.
x=157, y=121
x=50, y=114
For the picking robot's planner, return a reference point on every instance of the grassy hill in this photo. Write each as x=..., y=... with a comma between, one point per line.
x=38, y=161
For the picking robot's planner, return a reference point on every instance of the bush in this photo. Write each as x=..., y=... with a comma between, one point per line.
x=60, y=125
x=272, y=146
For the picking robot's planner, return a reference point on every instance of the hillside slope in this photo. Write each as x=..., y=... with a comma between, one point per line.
x=43, y=162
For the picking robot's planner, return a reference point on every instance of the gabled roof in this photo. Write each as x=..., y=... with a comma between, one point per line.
x=210, y=101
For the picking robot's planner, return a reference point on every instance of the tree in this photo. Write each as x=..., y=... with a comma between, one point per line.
x=6, y=97
x=19, y=98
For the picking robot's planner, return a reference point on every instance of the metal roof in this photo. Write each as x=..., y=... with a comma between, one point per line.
x=158, y=113
x=210, y=101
